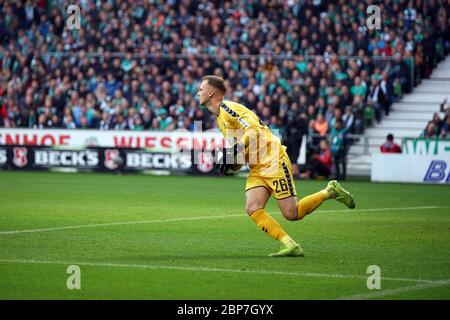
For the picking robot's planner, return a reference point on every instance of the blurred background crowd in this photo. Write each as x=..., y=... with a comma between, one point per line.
x=301, y=65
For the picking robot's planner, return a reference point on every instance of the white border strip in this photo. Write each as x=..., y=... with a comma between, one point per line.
x=198, y=218
x=206, y=269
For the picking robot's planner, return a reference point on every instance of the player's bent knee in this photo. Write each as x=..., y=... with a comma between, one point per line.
x=289, y=208
x=291, y=214
x=251, y=208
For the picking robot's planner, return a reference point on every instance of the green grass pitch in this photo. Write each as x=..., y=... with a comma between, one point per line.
x=178, y=237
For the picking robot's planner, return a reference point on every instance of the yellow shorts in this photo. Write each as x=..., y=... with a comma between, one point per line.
x=278, y=181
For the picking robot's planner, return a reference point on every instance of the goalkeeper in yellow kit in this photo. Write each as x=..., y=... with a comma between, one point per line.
x=249, y=140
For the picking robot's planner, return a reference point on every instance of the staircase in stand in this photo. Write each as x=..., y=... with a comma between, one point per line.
x=407, y=118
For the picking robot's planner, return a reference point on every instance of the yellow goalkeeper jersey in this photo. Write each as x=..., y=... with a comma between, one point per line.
x=239, y=124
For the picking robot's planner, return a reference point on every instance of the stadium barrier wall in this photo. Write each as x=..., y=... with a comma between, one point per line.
x=412, y=168
x=116, y=160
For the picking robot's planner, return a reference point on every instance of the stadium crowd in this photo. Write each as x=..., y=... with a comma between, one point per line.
x=137, y=65
x=438, y=127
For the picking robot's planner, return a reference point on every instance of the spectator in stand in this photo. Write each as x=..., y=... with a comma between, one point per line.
x=359, y=88
x=390, y=146
x=444, y=107
x=320, y=125
x=400, y=71
x=349, y=123
x=377, y=98
x=313, y=138
x=361, y=119
x=296, y=123
x=339, y=150
x=430, y=131
x=445, y=131
x=388, y=90
x=349, y=120
x=438, y=127
x=321, y=162
x=42, y=122
x=68, y=122
x=437, y=122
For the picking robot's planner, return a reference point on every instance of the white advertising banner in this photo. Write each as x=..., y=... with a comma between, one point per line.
x=157, y=141
x=410, y=168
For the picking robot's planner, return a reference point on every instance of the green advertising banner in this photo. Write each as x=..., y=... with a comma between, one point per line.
x=426, y=146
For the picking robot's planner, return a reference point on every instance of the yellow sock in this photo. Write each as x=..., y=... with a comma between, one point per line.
x=268, y=224
x=310, y=203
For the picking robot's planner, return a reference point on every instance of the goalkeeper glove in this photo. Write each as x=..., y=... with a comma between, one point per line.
x=227, y=159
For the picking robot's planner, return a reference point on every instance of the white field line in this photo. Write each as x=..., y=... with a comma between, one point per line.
x=206, y=269
x=197, y=218
x=391, y=292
